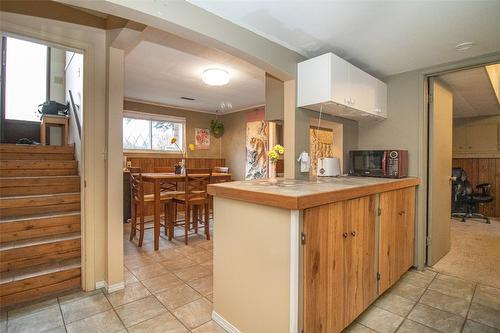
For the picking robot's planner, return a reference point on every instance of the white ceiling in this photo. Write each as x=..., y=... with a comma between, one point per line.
x=381, y=37
x=473, y=94
x=161, y=74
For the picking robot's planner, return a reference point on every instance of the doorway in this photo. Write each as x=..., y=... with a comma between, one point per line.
x=463, y=233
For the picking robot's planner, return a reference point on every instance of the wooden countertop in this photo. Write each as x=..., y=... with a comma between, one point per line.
x=301, y=194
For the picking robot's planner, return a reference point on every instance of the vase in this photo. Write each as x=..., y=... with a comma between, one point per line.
x=272, y=173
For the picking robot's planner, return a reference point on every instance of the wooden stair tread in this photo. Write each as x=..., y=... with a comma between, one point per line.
x=36, y=149
x=34, y=196
x=37, y=216
x=38, y=241
x=36, y=271
x=37, y=164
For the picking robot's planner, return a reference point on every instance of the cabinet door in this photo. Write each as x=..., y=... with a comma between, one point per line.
x=340, y=80
x=362, y=90
x=482, y=138
x=324, y=292
x=380, y=98
x=396, y=235
x=459, y=139
x=360, y=270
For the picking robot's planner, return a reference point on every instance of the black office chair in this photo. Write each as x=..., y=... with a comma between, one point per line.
x=465, y=201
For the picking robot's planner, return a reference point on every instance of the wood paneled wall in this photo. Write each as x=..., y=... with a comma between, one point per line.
x=483, y=170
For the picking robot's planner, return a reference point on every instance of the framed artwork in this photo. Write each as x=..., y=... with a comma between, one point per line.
x=202, y=138
x=256, y=148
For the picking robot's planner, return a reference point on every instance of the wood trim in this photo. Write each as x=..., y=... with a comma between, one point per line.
x=307, y=201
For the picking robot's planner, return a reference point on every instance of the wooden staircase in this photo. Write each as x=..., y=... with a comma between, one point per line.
x=40, y=243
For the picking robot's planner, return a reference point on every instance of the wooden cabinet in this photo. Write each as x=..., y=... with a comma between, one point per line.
x=478, y=138
x=346, y=244
x=337, y=87
x=339, y=263
x=397, y=213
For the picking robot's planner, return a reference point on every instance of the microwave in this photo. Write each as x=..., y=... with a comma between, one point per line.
x=379, y=163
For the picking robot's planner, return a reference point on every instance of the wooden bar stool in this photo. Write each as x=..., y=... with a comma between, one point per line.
x=195, y=196
x=53, y=120
x=139, y=200
x=169, y=188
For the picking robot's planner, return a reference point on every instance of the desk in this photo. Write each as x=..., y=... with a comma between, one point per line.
x=157, y=179
x=47, y=121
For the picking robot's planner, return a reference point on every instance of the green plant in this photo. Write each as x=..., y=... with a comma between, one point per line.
x=217, y=128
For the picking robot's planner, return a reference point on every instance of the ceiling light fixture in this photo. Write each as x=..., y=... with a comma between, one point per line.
x=464, y=46
x=215, y=77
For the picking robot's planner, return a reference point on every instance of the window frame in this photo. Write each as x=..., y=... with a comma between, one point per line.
x=156, y=117
x=3, y=82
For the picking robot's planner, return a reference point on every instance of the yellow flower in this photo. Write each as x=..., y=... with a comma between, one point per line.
x=173, y=140
x=191, y=146
x=273, y=155
x=279, y=149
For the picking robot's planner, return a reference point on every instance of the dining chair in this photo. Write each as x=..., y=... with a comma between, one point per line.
x=138, y=205
x=169, y=188
x=195, y=197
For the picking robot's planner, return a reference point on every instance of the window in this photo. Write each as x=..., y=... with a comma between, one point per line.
x=25, y=78
x=152, y=132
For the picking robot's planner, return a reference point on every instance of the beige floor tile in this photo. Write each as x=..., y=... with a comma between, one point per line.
x=162, y=282
x=201, y=257
x=130, y=293
x=444, y=302
x=138, y=311
x=3, y=322
x=38, y=321
x=84, y=307
x=452, y=286
x=407, y=291
x=207, y=245
x=210, y=327
x=104, y=322
x=417, y=279
x=188, y=249
x=204, y=285
x=192, y=273
x=164, y=323
x=129, y=278
x=473, y=327
x=358, y=328
x=410, y=326
x=380, y=320
x=176, y=297
x=148, y=272
x=176, y=264
x=485, y=315
x=77, y=295
x=487, y=296
x=138, y=261
x=428, y=273
x=210, y=297
x=194, y=314
x=440, y=320
x=395, y=304
x=32, y=308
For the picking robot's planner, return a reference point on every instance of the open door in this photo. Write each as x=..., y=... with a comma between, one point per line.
x=440, y=159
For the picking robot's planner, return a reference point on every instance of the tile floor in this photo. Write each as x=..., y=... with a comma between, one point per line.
x=171, y=291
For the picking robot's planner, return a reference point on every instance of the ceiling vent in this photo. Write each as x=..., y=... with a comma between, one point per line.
x=187, y=98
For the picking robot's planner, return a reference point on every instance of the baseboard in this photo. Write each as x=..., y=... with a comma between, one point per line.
x=224, y=323
x=115, y=287
x=109, y=289
x=100, y=284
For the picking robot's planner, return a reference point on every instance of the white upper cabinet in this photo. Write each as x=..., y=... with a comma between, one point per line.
x=331, y=84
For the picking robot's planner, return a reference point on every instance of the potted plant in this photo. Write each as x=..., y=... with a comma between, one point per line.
x=217, y=128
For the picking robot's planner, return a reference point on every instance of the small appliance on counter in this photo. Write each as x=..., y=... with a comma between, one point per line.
x=378, y=163
x=328, y=167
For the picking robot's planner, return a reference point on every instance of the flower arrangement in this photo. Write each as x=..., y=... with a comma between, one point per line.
x=181, y=165
x=275, y=153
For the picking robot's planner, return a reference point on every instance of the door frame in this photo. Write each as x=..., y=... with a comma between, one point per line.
x=423, y=197
x=87, y=182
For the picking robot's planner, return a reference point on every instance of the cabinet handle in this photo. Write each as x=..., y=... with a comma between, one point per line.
x=402, y=212
x=353, y=233
x=345, y=234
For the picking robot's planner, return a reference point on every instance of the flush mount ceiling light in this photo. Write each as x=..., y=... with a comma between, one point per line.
x=464, y=46
x=215, y=77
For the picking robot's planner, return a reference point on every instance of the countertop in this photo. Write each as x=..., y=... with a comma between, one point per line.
x=302, y=194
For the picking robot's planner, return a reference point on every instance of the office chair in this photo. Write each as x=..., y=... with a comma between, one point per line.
x=465, y=201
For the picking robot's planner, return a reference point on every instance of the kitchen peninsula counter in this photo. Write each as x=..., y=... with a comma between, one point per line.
x=295, y=255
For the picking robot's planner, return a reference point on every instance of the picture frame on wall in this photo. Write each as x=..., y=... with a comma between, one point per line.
x=202, y=138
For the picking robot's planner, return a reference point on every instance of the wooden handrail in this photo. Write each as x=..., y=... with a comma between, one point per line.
x=75, y=112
